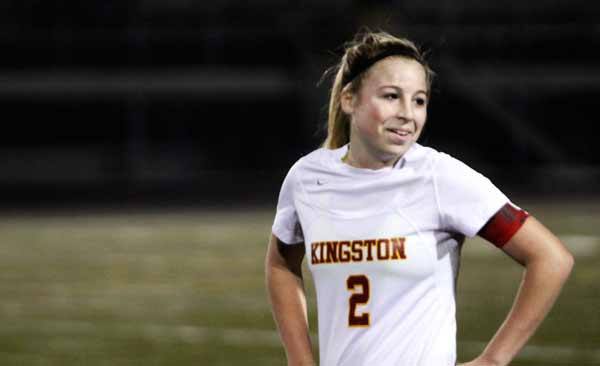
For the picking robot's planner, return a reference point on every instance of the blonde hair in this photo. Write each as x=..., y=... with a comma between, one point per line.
x=367, y=48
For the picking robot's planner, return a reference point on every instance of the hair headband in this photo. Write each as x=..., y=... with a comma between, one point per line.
x=360, y=66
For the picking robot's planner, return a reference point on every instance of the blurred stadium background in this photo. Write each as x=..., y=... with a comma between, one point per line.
x=144, y=142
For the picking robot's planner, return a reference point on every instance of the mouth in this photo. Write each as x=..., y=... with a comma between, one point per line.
x=399, y=132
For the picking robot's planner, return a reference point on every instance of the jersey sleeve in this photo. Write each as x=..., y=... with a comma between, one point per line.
x=466, y=199
x=286, y=225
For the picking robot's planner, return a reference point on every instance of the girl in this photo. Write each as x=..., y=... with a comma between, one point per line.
x=381, y=220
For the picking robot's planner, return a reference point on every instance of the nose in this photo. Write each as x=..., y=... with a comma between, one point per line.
x=405, y=109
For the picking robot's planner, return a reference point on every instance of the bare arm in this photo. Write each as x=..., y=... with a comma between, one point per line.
x=283, y=269
x=547, y=266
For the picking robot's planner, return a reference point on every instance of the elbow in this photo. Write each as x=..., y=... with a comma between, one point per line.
x=563, y=264
x=568, y=263
x=556, y=265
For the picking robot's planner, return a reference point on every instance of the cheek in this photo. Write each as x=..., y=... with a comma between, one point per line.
x=421, y=117
x=378, y=115
x=370, y=122
x=375, y=115
x=371, y=116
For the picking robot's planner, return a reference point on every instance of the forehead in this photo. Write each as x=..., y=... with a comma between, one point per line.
x=397, y=71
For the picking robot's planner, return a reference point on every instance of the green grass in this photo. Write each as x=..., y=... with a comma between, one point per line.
x=187, y=288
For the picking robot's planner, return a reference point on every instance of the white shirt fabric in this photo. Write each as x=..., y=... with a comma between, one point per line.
x=429, y=201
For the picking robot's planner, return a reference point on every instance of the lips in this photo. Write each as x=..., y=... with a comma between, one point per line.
x=399, y=131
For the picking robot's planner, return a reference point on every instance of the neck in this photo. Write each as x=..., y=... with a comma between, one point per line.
x=366, y=161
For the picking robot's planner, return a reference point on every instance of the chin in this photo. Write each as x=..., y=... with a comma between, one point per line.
x=393, y=153
x=398, y=150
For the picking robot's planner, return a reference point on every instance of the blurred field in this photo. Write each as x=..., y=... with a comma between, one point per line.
x=186, y=288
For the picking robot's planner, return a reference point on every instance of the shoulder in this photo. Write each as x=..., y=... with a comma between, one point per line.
x=318, y=160
x=421, y=153
x=424, y=158
x=441, y=162
x=427, y=154
x=444, y=168
x=454, y=178
x=322, y=155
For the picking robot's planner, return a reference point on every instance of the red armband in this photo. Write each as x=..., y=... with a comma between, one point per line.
x=503, y=225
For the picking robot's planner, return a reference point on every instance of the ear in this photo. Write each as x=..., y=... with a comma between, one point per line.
x=347, y=101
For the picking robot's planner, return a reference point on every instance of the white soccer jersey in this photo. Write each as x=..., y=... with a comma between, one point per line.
x=383, y=247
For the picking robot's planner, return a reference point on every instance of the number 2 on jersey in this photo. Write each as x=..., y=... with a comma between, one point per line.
x=358, y=298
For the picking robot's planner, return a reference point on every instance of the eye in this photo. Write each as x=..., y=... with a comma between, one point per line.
x=421, y=101
x=390, y=96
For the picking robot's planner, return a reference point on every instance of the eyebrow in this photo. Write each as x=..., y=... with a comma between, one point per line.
x=399, y=88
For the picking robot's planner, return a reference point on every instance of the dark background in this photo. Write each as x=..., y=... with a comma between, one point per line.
x=192, y=102
x=133, y=131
